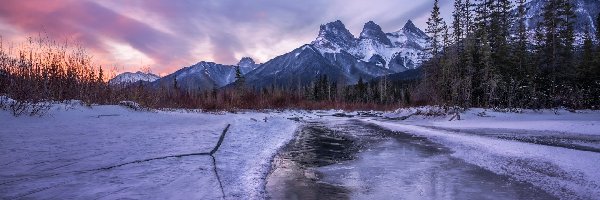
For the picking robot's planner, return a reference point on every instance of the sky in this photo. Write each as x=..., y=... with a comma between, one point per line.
x=167, y=35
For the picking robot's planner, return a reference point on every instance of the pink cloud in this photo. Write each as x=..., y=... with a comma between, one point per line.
x=89, y=23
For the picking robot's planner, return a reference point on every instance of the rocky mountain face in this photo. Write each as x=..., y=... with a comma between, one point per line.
x=247, y=64
x=397, y=51
x=305, y=64
x=339, y=55
x=206, y=75
x=373, y=32
x=344, y=58
x=335, y=53
x=130, y=78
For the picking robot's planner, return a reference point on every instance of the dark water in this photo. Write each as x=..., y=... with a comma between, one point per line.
x=356, y=160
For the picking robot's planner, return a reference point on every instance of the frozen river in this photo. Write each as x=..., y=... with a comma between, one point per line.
x=111, y=152
x=351, y=159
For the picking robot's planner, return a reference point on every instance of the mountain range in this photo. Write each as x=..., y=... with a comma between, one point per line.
x=339, y=55
x=335, y=53
x=343, y=58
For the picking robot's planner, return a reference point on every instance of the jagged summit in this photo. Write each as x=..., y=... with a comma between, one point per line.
x=373, y=31
x=334, y=36
x=246, y=61
x=411, y=28
x=247, y=64
x=335, y=52
x=397, y=51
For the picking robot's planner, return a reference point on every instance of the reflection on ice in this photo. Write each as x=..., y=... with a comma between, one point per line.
x=362, y=161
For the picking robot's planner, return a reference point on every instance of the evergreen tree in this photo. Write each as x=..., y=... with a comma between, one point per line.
x=454, y=54
x=175, y=85
x=597, y=57
x=434, y=29
x=467, y=59
x=239, y=77
x=557, y=49
x=486, y=84
x=457, y=21
x=501, y=52
x=585, y=70
x=524, y=71
x=361, y=90
x=521, y=53
x=550, y=44
x=598, y=31
x=566, y=35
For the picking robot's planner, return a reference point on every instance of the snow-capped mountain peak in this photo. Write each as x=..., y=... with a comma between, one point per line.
x=247, y=64
x=335, y=52
x=410, y=27
x=334, y=37
x=129, y=77
x=373, y=31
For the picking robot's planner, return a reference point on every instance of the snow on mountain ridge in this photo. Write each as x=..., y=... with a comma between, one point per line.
x=373, y=31
x=335, y=53
x=247, y=64
x=129, y=77
x=334, y=37
x=402, y=48
x=206, y=75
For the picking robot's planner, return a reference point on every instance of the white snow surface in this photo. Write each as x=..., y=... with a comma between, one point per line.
x=564, y=172
x=60, y=155
x=585, y=122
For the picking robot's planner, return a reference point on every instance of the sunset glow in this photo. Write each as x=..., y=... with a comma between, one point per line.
x=168, y=35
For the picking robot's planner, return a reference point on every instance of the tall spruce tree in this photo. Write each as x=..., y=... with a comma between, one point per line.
x=239, y=77
x=597, y=57
x=521, y=53
x=549, y=46
x=457, y=21
x=566, y=35
x=557, y=53
x=501, y=22
x=585, y=70
x=467, y=70
x=486, y=81
x=434, y=29
x=524, y=69
x=598, y=30
x=432, y=68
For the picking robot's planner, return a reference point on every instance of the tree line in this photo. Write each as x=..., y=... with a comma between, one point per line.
x=41, y=71
x=487, y=57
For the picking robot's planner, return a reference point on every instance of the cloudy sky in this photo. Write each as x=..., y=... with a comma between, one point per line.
x=169, y=34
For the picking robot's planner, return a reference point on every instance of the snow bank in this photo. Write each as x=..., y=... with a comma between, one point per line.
x=563, y=121
x=61, y=154
x=568, y=173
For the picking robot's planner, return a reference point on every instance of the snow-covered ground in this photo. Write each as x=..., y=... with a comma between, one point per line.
x=71, y=152
x=61, y=155
x=558, y=151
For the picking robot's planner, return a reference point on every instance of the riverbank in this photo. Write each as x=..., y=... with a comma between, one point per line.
x=75, y=151
x=556, y=150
